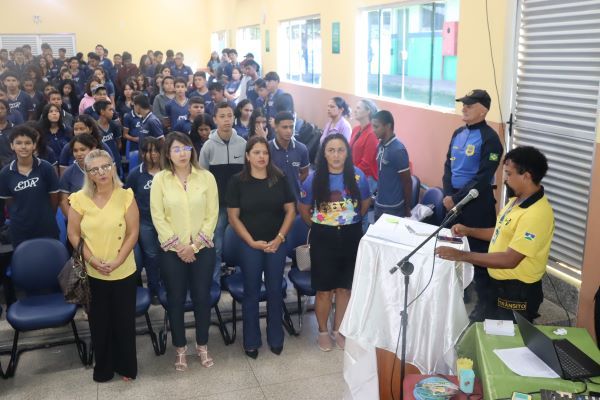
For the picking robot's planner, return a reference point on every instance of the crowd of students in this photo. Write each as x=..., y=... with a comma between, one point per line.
x=217, y=147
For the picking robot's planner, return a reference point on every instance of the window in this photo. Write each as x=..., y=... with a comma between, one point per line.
x=410, y=52
x=219, y=41
x=299, y=50
x=66, y=41
x=248, y=41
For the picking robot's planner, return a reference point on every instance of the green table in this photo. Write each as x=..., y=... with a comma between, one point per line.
x=500, y=382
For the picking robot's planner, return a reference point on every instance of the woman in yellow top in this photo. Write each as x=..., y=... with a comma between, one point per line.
x=184, y=203
x=106, y=217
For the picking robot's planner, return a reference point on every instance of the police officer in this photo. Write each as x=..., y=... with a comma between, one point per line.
x=519, y=243
x=471, y=162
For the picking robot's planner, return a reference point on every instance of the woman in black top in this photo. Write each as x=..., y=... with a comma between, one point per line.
x=261, y=210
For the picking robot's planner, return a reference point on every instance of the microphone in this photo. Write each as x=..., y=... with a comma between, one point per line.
x=473, y=193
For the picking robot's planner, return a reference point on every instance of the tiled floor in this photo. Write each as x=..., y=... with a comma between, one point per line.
x=301, y=372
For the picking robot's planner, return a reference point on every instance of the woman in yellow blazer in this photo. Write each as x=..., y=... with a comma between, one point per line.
x=184, y=203
x=106, y=217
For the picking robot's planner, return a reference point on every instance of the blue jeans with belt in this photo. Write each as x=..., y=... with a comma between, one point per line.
x=254, y=262
x=150, y=247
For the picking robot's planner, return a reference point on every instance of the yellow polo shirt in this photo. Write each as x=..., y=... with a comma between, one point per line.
x=528, y=229
x=103, y=230
x=180, y=215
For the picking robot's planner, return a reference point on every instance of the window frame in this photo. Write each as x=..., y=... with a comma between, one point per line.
x=284, y=60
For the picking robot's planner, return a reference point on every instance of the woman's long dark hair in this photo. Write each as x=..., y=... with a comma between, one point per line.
x=73, y=98
x=45, y=122
x=273, y=173
x=258, y=112
x=90, y=122
x=321, y=193
x=148, y=145
x=202, y=119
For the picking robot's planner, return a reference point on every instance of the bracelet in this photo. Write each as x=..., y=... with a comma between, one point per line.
x=195, y=248
x=281, y=237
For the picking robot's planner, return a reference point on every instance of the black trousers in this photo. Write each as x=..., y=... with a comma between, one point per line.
x=112, y=325
x=514, y=295
x=480, y=213
x=179, y=277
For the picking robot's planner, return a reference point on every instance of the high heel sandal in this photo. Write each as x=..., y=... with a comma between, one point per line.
x=340, y=340
x=180, y=363
x=205, y=358
x=324, y=341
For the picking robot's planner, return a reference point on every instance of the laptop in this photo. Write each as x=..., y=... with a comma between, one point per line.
x=560, y=354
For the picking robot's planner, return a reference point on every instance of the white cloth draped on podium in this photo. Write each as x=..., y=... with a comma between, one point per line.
x=435, y=321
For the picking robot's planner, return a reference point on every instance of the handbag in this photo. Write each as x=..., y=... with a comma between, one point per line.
x=73, y=279
x=303, y=255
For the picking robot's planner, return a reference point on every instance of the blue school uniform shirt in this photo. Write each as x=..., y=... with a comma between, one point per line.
x=140, y=181
x=71, y=180
x=57, y=141
x=110, y=137
x=290, y=161
x=392, y=158
x=150, y=126
x=176, y=111
x=133, y=122
x=31, y=215
x=183, y=72
x=183, y=125
x=92, y=113
x=66, y=158
x=241, y=130
x=21, y=104
x=341, y=209
x=16, y=118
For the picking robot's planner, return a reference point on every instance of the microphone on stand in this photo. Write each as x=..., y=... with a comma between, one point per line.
x=473, y=194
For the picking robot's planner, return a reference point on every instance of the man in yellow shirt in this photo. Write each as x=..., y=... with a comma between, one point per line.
x=520, y=241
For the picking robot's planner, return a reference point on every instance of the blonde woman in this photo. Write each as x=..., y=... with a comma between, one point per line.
x=106, y=217
x=184, y=204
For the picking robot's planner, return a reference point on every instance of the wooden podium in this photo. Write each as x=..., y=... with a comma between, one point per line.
x=386, y=362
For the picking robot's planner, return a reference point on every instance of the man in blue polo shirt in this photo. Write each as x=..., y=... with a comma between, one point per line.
x=18, y=100
x=177, y=108
x=30, y=186
x=180, y=70
x=195, y=108
x=395, y=184
x=151, y=125
x=288, y=154
x=272, y=81
x=473, y=157
x=105, y=62
x=217, y=93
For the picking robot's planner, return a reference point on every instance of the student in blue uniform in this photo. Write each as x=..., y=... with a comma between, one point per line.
x=180, y=70
x=132, y=123
x=395, y=183
x=242, y=114
x=217, y=93
x=84, y=124
x=54, y=131
x=109, y=130
x=289, y=155
x=272, y=81
x=200, y=88
x=471, y=162
x=19, y=101
x=140, y=181
x=100, y=94
x=195, y=108
x=30, y=187
x=201, y=128
x=177, y=108
x=71, y=180
x=150, y=125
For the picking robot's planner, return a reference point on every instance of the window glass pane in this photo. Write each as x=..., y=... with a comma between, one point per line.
x=248, y=41
x=373, y=52
x=392, y=52
x=301, y=44
x=417, y=81
x=444, y=78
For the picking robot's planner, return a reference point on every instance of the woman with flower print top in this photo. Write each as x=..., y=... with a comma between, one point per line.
x=333, y=201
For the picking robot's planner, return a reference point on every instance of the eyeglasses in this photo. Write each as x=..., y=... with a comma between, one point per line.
x=102, y=168
x=178, y=149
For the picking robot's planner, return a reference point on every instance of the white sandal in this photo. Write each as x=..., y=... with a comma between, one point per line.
x=324, y=341
x=181, y=362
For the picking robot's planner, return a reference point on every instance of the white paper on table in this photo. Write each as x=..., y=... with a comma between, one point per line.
x=524, y=362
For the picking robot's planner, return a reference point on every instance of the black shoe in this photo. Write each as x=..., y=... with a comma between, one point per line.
x=277, y=350
x=252, y=354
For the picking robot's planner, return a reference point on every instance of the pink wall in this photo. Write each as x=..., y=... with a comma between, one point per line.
x=425, y=133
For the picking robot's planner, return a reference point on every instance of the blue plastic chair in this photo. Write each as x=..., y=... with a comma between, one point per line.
x=133, y=159
x=416, y=190
x=300, y=279
x=61, y=221
x=142, y=305
x=234, y=283
x=36, y=264
x=434, y=197
x=215, y=296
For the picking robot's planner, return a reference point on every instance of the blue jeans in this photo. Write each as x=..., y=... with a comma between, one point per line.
x=150, y=247
x=218, y=238
x=254, y=262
